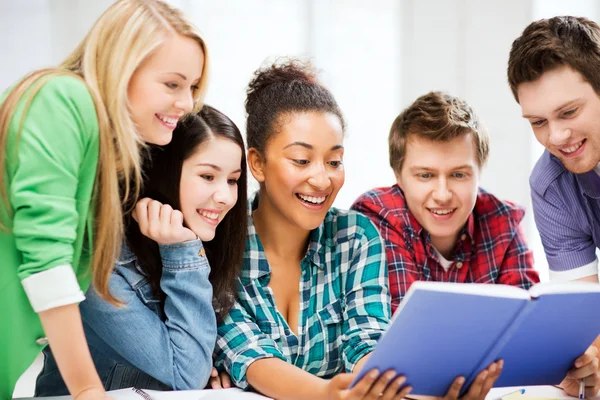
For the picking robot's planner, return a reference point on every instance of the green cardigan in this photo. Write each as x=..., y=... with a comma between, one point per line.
x=50, y=172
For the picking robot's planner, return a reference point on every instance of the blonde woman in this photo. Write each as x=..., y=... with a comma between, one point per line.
x=70, y=139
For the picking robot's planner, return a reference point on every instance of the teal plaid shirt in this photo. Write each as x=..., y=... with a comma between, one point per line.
x=344, y=296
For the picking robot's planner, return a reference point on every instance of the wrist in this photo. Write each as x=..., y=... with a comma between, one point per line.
x=323, y=389
x=88, y=392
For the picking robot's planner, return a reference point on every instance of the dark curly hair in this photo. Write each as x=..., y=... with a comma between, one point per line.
x=286, y=86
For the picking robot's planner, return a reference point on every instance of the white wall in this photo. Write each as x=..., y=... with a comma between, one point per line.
x=376, y=57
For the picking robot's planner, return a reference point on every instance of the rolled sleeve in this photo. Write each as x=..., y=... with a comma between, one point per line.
x=367, y=312
x=240, y=342
x=44, y=174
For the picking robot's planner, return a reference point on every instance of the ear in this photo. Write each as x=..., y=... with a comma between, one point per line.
x=256, y=163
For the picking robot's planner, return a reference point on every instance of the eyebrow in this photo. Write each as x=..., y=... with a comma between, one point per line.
x=216, y=167
x=420, y=167
x=311, y=147
x=559, y=108
x=182, y=76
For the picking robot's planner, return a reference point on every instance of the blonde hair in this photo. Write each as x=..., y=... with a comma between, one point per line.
x=120, y=40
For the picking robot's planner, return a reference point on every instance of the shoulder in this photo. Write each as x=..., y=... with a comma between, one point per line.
x=548, y=172
x=382, y=199
x=490, y=208
x=63, y=99
x=341, y=226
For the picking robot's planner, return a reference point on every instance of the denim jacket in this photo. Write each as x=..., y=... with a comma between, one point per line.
x=146, y=343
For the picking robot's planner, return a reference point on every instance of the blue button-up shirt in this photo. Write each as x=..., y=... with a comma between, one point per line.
x=566, y=207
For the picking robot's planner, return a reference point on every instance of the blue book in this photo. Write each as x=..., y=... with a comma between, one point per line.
x=444, y=330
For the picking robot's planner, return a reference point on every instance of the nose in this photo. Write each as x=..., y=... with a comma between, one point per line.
x=185, y=102
x=319, y=178
x=442, y=193
x=559, y=135
x=226, y=195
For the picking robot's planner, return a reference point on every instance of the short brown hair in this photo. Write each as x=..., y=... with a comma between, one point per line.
x=550, y=43
x=439, y=117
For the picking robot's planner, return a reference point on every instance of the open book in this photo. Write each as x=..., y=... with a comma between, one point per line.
x=444, y=330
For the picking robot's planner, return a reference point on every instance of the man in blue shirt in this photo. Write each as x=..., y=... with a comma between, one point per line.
x=554, y=74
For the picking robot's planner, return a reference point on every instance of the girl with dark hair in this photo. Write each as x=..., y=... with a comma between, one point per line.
x=176, y=273
x=313, y=292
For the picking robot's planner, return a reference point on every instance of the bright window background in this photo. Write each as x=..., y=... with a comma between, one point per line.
x=376, y=57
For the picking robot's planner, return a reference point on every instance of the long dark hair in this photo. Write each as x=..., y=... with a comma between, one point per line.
x=162, y=176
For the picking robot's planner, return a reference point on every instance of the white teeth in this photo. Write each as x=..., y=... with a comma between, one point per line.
x=170, y=121
x=311, y=199
x=209, y=215
x=441, y=212
x=573, y=148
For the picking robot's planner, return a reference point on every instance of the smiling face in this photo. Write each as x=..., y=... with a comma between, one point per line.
x=161, y=89
x=564, y=112
x=208, y=187
x=301, y=172
x=440, y=182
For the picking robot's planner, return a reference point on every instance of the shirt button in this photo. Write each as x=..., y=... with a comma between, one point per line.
x=42, y=341
x=459, y=265
x=463, y=236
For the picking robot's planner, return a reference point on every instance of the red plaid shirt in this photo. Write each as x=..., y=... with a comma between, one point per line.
x=491, y=247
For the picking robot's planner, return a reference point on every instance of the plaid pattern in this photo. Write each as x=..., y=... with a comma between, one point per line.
x=344, y=302
x=491, y=247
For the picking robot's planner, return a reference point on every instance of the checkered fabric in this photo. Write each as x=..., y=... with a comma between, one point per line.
x=491, y=247
x=344, y=302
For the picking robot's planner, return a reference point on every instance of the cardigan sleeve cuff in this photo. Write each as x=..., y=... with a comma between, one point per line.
x=52, y=288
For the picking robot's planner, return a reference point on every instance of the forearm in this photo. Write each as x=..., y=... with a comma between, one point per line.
x=361, y=363
x=591, y=278
x=64, y=330
x=278, y=379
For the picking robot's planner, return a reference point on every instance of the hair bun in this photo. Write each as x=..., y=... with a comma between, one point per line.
x=284, y=71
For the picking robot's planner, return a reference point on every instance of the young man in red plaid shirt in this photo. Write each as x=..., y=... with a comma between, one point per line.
x=438, y=224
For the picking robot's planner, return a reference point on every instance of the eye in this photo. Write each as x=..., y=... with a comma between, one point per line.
x=232, y=182
x=171, y=85
x=208, y=178
x=459, y=175
x=425, y=175
x=538, y=123
x=569, y=113
x=301, y=162
x=195, y=88
x=335, y=164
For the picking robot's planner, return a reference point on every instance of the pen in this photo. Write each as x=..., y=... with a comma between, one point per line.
x=581, y=389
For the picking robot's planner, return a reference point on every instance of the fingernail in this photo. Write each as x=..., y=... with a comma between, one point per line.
x=501, y=364
x=461, y=380
x=400, y=381
x=492, y=368
x=374, y=373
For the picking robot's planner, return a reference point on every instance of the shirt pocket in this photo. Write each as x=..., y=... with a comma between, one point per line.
x=324, y=341
x=142, y=288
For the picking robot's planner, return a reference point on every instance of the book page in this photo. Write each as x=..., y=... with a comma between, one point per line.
x=563, y=287
x=208, y=394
